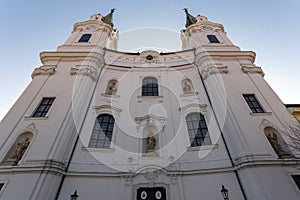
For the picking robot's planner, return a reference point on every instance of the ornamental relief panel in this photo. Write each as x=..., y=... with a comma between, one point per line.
x=253, y=70
x=213, y=70
x=89, y=71
x=45, y=70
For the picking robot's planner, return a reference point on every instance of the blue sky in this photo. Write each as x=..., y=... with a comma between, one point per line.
x=268, y=27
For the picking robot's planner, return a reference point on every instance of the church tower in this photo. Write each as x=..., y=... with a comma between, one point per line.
x=39, y=132
x=98, y=123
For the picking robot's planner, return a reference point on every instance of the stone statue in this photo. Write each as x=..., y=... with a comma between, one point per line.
x=189, y=18
x=272, y=137
x=151, y=143
x=20, y=150
x=187, y=87
x=108, y=18
x=112, y=42
x=185, y=40
x=112, y=88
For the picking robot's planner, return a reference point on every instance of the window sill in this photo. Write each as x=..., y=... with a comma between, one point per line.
x=101, y=150
x=150, y=98
x=261, y=114
x=110, y=96
x=189, y=94
x=35, y=118
x=204, y=147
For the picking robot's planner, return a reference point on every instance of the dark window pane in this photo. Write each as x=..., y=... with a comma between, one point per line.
x=85, y=38
x=44, y=107
x=197, y=130
x=297, y=180
x=213, y=39
x=253, y=103
x=102, y=138
x=150, y=87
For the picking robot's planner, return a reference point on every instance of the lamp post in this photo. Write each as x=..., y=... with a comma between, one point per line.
x=74, y=196
x=224, y=193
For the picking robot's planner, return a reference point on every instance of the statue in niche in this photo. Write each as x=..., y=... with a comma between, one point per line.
x=151, y=143
x=187, y=86
x=112, y=88
x=272, y=137
x=19, y=151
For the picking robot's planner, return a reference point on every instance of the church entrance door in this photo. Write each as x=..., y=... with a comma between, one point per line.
x=156, y=193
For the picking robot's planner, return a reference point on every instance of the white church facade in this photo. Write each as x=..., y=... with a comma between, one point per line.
x=148, y=125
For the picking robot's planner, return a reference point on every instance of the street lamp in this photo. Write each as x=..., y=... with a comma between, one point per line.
x=224, y=193
x=74, y=196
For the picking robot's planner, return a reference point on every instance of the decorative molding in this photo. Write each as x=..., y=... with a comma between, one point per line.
x=260, y=114
x=110, y=95
x=159, y=99
x=151, y=174
x=150, y=119
x=204, y=147
x=107, y=109
x=213, y=70
x=150, y=56
x=253, y=70
x=85, y=70
x=31, y=128
x=128, y=178
x=190, y=94
x=45, y=70
x=194, y=107
x=207, y=28
x=101, y=150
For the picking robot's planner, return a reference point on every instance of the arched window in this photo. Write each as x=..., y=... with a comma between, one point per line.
x=102, y=132
x=85, y=38
x=18, y=149
x=150, y=87
x=213, y=39
x=197, y=130
x=112, y=87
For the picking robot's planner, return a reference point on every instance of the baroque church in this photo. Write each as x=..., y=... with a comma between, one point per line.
x=200, y=123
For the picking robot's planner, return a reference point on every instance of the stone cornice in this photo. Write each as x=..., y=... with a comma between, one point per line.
x=73, y=56
x=209, y=56
x=198, y=26
x=158, y=60
x=99, y=25
x=253, y=70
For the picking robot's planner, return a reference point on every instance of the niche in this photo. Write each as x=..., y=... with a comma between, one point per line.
x=18, y=149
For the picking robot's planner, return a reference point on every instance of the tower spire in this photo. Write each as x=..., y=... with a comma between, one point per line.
x=108, y=18
x=190, y=19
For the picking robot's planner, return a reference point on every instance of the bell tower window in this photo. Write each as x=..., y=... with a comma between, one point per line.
x=213, y=39
x=85, y=38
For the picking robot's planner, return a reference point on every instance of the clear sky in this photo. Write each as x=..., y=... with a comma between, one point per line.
x=268, y=27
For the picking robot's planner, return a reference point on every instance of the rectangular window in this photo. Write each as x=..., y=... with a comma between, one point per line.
x=44, y=107
x=253, y=103
x=213, y=39
x=297, y=180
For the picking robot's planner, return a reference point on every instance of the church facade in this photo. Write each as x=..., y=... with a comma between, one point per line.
x=97, y=123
